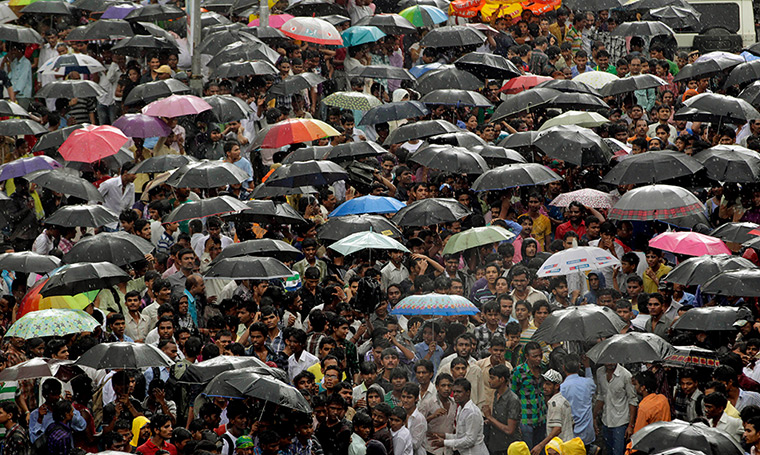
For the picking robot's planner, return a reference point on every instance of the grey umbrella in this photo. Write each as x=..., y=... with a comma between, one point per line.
x=665, y=435
x=698, y=270
x=498, y=156
x=62, y=181
x=19, y=34
x=248, y=268
x=82, y=215
x=631, y=348
x=448, y=158
x=261, y=247
x=228, y=108
x=246, y=68
x=420, y=130
x=123, y=355
x=527, y=100
x=431, y=211
x=651, y=168
x=54, y=139
x=336, y=228
x=21, y=126
x=739, y=283
x=70, y=89
x=28, y=262
x=120, y=248
x=656, y=202
x=218, y=205
x=513, y=175
x=303, y=173
x=151, y=91
x=207, y=174
x=101, y=29
x=448, y=78
x=74, y=279
x=730, y=163
x=581, y=323
x=738, y=232
x=163, y=163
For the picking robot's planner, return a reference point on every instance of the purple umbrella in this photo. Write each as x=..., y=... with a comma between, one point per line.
x=141, y=125
x=118, y=11
x=23, y=166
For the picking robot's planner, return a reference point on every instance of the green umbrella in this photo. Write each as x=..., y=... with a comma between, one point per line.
x=476, y=237
x=578, y=118
x=352, y=100
x=53, y=322
x=366, y=240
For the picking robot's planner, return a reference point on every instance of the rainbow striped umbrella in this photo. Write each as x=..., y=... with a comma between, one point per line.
x=435, y=304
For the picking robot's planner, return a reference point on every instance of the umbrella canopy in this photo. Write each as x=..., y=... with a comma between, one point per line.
x=578, y=259
x=631, y=347
x=269, y=213
x=487, y=66
x=710, y=64
x=435, y=305
x=709, y=319
x=643, y=28
x=692, y=356
x=248, y=268
x=19, y=34
x=475, y=237
x=368, y=204
x=312, y=30
x=176, y=106
x=53, y=322
x=261, y=248
x=739, y=283
x=677, y=16
x=456, y=97
x=580, y=323
x=737, y=232
x=457, y=160
x=351, y=151
x=579, y=101
x=361, y=34
x=83, y=215
x=61, y=181
x=453, y=36
x=295, y=84
x=207, y=370
x=138, y=45
x=246, y=68
x=243, y=51
x=220, y=387
x=34, y=301
x=70, y=61
x=366, y=241
x=654, y=202
x=118, y=248
x=351, y=100
x=394, y=111
x=730, y=163
x=576, y=145
x=21, y=126
x=524, y=82
x=723, y=106
x=431, y=211
x=632, y=83
x=448, y=78
x=151, y=91
x=263, y=191
x=512, y=175
x=340, y=227
x=123, y=355
x=587, y=196
x=751, y=94
x=204, y=208
x=568, y=86
x=70, y=89
x=382, y=72
x=595, y=79
x=24, y=166
x=741, y=74
x=577, y=118
x=141, y=125
x=315, y=7
x=228, y=108
x=306, y=154
x=689, y=243
x=498, y=156
x=697, y=436
x=464, y=139
x=28, y=262
x=217, y=41
x=420, y=130
x=305, y=173
x=424, y=15
x=653, y=167
x=207, y=174
x=92, y=143
x=163, y=163
x=275, y=20
x=391, y=24
x=41, y=367
x=272, y=390
x=292, y=131
x=698, y=270
x=525, y=101
x=156, y=12
x=8, y=108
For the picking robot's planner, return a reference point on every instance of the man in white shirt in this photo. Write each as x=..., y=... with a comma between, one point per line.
x=402, y=437
x=301, y=359
x=715, y=407
x=45, y=242
x=416, y=422
x=394, y=272
x=559, y=416
x=616, y=402
x=468, y=438
x=119, y=192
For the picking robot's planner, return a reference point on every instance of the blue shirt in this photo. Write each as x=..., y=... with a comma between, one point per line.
x=421, y=350
x=574, y=70
x=579, y=392
x=21, y=77
x=245, y=165
x=37, y=429
x=191, y=307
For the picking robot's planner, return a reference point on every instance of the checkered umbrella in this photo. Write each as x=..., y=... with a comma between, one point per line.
x=656, y=202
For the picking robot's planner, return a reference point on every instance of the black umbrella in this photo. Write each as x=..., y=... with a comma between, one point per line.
x=498, y=156
x=456, y=97
x=513, y=175
x=77, y=278
x=692, y=356
x=48, y=7
x=218, y=205
x=70, y=89
x=568, y=86
x=699, y=115
x=580, y=323
x=630, y=348
x=448, y=158
x=137, y=45
x=738, y=232
x=163, y=163
x=149, y=28
x=92, y=5
x=652, y=167
x=487, y=66
x=448, y=78
x=420, y=130
x=228, y=108
x=21, y=126
x=101, y=29
x=268, y=212
x=382, y=72
x=211, y=18
x=650, y=4
x=28, y=262
x=592, y=5
x=244, y=51
x=632, y=83
x=272, y=390
x=521, y=141
x=730, y=163
x=41, y=367
x=574, y=144
x=119, y=248
x=62, y=181
x=464, y=139
x=220, y=387
x=82, y=215
x=295, y=84
x=339, y=227
x=707, y=68
x=337, y=19
x=124, y=355
x=746, y=72
x=307, y=154
x=267, y=34
x=699, y=269
x=152, y=91
x=739, y=283
x=642, y=28
x=453, y=36
x=207, y=370
x=8, y=108
x=315, y=8
x=214, y=43
x=305, y=173
x=266, y=191
x=262, y=247
x=577, y=101
x=156, y=12
x=526, y=100
x=432, y=211
x=677, y=16
x=390, y=24
x=19, y=34
x=351, y=151
x=248, y=268
x=665, y=435
x=246, y=68
x=207, y=174
x=724, y=106
x=394, y=111
x=656, y=202
x=54, y=139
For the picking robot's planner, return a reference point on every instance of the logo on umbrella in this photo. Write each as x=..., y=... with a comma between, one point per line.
x=576, y=261
x=580, y=267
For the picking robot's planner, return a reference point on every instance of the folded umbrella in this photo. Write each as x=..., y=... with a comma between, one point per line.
x=62, y=181
x=23, y=166
x=204, y=208
x=119, y=248
x=652, y=167
x=475, y=237
x=52, y=323
x=512, y=175
x=248, y=268
x=261, y=247
x=124, y=355
x=581, y=323
x=394, y=111
x=457, y=160
x=368, y=204
x=431, y=211
x=83, y=215
x=336, y=228
x=366, y=241
x=151, y=91
x=634, y=347
x=28, y=262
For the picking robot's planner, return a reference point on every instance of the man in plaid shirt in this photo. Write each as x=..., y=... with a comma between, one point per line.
x=526, y=383
x=488, y=329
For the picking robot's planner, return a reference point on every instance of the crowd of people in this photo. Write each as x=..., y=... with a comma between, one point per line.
x=377, y=383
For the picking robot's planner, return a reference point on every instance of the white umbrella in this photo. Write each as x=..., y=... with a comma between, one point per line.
x=595, y=79
x=366, y=240
x=578, y=259
x=6, y=13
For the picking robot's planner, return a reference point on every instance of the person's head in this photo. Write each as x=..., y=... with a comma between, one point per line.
x=634, y=286
x=362, y=424
x=644, y=383
x=715, y=403
x=751, y=435
x=57, y=349
x=523, y=310
x=380, y=414
x=459, y=367
x=463, y=346
x=410, y=394
x=498, y=376
x=51, y=391
x=461, y=390
x=656, y=305
x=62, y=411
x=9, y=412
x=550, y=383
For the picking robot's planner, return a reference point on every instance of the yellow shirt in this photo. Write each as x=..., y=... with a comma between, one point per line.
x=542, y=229
x=650, y=286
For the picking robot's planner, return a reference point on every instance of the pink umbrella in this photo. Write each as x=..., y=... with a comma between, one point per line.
x=92, y=143
x=689, y=243
x=275, y=21
x=176, y=106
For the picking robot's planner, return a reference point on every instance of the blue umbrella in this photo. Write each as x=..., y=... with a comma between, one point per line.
x=419, y=70
x=361, y=34
x=368, y=204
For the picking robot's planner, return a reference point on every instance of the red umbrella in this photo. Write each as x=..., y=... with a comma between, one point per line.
x=518, y=84
x=92, y=143
x=689, y=243
x=176, y=106
x=292, y=131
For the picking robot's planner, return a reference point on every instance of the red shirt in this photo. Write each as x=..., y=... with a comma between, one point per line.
x=150, y=449
x=566, y=227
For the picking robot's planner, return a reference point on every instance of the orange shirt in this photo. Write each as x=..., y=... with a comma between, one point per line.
x=653, y=408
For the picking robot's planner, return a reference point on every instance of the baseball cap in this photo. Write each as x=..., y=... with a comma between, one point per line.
x=553, y=376
x=164, y=69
